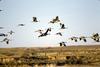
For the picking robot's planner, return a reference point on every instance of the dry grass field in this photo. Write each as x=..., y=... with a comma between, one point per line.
x=89, y=55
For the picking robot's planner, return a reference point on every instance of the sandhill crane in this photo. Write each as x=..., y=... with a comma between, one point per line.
x=21, y=24
x=6, y=40
x=2, y=34
x=35, y=19
x=11, y=32
x=74, y=38
x=95, y=37
x=83, y=38
x=62, y=43
x=62, y=26
x=45, y=33
x=55, y=20
x=59, y=33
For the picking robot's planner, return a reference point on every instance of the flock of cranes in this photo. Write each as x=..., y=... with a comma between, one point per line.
x=43, y=33
x=46, y=32
x=94, y=36
x=6, y=39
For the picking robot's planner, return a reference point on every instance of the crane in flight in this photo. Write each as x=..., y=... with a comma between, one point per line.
x=62, y=26
x=62, y=43
x=35, y=19
x=83, y=38
x=21, y=24
x=6, y=40
x=96, y=37
x=55, y=20
x=45, y=33
x=59, y=33
x=74, y=38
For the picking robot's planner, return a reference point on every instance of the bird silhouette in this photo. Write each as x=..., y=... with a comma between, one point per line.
x=82, y=38
x=59, y=33
x=62, y=26
x=55, y=20
x=74, y=38
x=45, y=33
x=62, y=43
x=6, y=40
x=35, y=19
x=95, y=37
x=21, y=24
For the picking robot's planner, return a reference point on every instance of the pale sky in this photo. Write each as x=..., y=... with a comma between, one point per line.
x=82, y=17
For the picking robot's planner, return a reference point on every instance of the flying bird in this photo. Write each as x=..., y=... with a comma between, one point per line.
x=74, y=38
x=21, y=24
x=55, y=20
x=82, y=38
x=95, y=37
x=35, y=19
x=62, y=26
x=62, y=43
x=6, y=40
x=45, y=33
x=59, y=33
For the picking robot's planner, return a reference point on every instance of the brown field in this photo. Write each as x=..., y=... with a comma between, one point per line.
x=71, y=55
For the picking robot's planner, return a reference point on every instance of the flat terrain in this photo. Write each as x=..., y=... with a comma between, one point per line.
x=59, y=55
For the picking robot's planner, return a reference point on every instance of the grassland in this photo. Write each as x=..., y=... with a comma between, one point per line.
x=89, y=55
